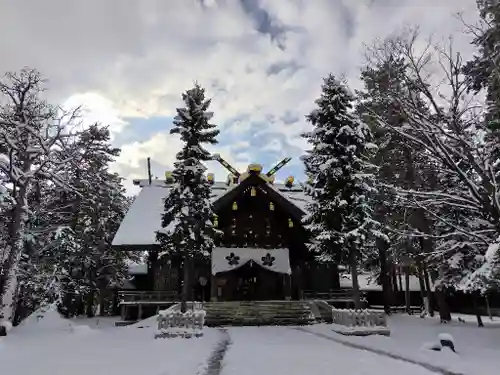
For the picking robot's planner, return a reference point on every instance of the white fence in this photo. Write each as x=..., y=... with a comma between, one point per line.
x=172, y=323
x=359, y=318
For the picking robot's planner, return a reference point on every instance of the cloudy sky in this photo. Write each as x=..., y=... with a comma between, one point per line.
x=261, y=62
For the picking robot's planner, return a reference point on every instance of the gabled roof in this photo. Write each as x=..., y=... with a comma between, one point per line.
x=274, y=194
x=143, y=219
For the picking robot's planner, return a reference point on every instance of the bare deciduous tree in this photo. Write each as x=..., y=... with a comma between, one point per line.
x=31, y=133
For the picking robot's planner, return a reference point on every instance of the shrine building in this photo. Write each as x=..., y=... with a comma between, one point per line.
x=262, y=254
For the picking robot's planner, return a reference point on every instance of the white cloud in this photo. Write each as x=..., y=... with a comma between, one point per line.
x=95, y=108
x=136, y=59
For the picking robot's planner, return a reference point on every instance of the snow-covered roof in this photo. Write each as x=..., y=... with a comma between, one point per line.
x=143, y=218
x=296, y=196
x=367, y=283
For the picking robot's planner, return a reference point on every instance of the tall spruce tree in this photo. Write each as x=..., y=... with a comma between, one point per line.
x=340, y=217
x=188, y=231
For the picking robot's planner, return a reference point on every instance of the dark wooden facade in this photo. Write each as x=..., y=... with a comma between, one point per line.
x=253, y=214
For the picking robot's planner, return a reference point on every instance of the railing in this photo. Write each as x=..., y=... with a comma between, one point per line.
x=359, y=318
x=333, y=294
x=152, y=296
x=172, y=323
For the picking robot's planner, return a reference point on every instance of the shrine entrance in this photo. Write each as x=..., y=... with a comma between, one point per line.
x=254, y=283
x=250, y=274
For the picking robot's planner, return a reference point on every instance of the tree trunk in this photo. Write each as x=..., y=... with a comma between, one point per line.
x=407, y=289
x=423, y=279
x=102, y=302
x=355, y=283
x=11, y=266
x=385, y=278
x=89, y=304
x=394, y=278
x=475, y=297
x=335, y=276
x=186, y=284
x=427, y=281
x=444, y=310
x=421, y=282
x=488, y=308
x=400, y=278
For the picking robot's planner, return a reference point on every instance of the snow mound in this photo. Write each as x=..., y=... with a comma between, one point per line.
x=6, y=324
x=48, y=320
x=446, y=337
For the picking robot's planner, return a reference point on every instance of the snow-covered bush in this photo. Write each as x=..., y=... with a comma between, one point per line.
x=444, y=340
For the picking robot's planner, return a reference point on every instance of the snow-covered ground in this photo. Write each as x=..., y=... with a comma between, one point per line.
x=284, y=350
x=52, y=346
x=478, y=349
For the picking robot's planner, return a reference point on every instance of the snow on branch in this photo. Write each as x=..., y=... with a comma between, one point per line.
x=444, y=121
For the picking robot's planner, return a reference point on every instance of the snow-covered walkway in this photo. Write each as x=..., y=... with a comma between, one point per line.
x=61, y=347
x=52, y=346
x=283, y=350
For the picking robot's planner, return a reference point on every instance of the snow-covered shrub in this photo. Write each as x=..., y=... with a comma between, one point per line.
x=447, y=341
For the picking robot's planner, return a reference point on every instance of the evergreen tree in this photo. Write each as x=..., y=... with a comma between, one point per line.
x=340, y=182
x=187, y=221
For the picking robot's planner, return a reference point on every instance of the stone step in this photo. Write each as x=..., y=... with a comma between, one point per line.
x=305, y=314
x=257, y=303
x=256, y=310
x=242, y=313
x=257, y=322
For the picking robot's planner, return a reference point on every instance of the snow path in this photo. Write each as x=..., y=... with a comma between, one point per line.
x=477, y=348
x=214, y=365
x=121, y=351
x=359, y=346
x=283, y=350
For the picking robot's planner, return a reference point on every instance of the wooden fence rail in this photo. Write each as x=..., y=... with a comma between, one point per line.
x=359, y=318
x=331, y=294
x=131, y=296
x=173, y=323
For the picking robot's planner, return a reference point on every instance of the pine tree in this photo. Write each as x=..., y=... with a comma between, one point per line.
x=341, y=182
x=187, y=220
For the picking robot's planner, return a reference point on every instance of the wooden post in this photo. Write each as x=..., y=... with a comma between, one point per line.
x=123, y=312
x=488, y=309
x=150, y=176
x=213, y=288
x=139, y=313
x=287, y=283
x=299, y=275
